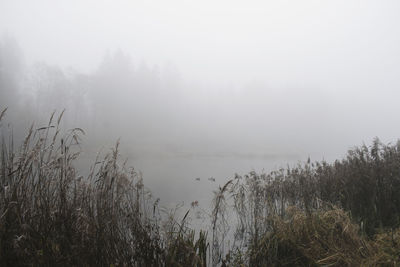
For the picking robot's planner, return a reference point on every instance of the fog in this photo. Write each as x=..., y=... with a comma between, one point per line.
x=205, y=88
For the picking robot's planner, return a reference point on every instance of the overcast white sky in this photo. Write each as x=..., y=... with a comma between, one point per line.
x=332, y=44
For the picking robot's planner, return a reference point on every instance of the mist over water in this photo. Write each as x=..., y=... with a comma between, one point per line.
x=204, y=89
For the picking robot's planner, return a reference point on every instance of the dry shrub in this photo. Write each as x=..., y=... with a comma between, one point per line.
x=387, y=247
x=323, y=238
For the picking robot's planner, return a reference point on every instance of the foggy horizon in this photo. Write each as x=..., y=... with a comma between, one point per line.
x=199, y=133
x=226, y=86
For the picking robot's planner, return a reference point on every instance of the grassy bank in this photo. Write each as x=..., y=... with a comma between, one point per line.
x=318, y=214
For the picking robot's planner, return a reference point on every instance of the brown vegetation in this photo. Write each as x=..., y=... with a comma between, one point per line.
x=51, y=216
x=340, y=214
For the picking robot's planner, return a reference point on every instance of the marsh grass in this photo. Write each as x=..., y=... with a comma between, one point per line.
x=317, y=214
x=52, y=216
x=266, y=231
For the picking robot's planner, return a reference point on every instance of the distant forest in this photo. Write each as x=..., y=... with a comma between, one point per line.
x=155, y=108
x=339, y=213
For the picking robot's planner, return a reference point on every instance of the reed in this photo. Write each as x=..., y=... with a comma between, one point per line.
x=51, y=216
x=316, y=214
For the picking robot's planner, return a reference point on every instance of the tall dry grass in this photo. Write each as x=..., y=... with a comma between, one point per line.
x=366, y=184
x=338, y=214
x=52, y=216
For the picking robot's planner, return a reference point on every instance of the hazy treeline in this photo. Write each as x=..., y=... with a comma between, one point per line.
x=116, y=99
x=107, y=217
x=201, y=133
x=155, y=110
